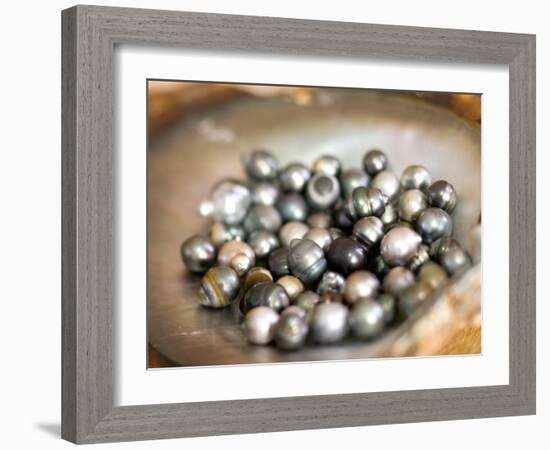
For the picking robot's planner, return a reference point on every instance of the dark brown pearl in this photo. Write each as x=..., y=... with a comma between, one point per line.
x=346, y=256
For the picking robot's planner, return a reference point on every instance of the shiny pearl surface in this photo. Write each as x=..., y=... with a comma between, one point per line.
x=278, y=262
x=232, y=248
x=328, y=165
x=293, y=207
x=262, y=217
x=341, y=219
x=345, y=256
x=351, y=179
x=365, y=202
x=398, y=280
x=228, y=202
x=388, y=183
x=331, y=282
x=219, y=287
x=198, y=254
x=336, y=233
x=255, y=276
x=292, y=285
x=307, y=300
x=389, y=305
x=442, y=195
x=329, y=323
x=412, y=298
x=442, y=245
x=294, y=177
x=307, y=261
x=294, y=310
x=291, y=332
x=416, y=177
x=291, y=231
x=268, y=294
x=374, y=161
x=378, y=266
x=390, y=216
x=367, y=319
x=265, y=194
x=241, y=264
x=433, y=275
x=432, y=224
x=259, y=325
x=261, y=165
x=263, y=243
x=455, y=260
x=322, y=191
x=360, y=284
x=220, y=233
x=399, y=246
x=319, y=220
x=369, y=232
x=321, y=236
x=411, y=204
x=420, y=258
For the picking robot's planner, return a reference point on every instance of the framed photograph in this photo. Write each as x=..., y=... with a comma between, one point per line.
x=268, y=222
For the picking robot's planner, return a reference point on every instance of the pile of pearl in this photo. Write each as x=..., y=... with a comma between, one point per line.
x=318, y=255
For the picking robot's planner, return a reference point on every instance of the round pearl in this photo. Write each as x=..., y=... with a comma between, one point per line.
x=368, y=231
x=241, y=264
x=219, y=287
x=374, y=161
x=295, y=310
x=411, y=204
x=292, y=285
x=230, y=249
x=389, y=305
x=455, y=260
x=433, y=223
x=229, y=201
x=261, y=165
x=263, y=243
x=360, y=284
x=292, y=230
x=345, y=256
x=328, y=165
x=329, y=323
x=319, y=220
x=331, y=282
x=291, y=332
x=367, y=319
x=293, y=207
x=198, y=254
x=307, y=261
x=398, y=280
x=351, y=179
x=416, y=177
x=294, y=177
x=259, y=325
x=321, y=236
x=268, y=294
x=221, y=233
x=307, y=300
x=265, y=194
x=399, y=246
x=278, y=262
x=411, y=299
x=432, y=274
x=442, y=195
x=262, y=217
x=388, y=183
x=322, y=191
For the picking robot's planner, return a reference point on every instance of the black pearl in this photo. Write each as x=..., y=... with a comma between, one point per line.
x=319, y=220
x=346, y=256
x=263, y=243
x=411, y=204
x=433, y=275
x=360, y=284
x=442, y=195
x=320, y=236
x=336, y=233
x=421, y=257
x=378, y=266
x=198, y=254
x=307, y=261
x=441, y=246
x=268, y=294
x=390, y=216
x=365, y=202
x=399, y=246
x=351, y=179
x=328, y=165
x=389, y=305
x=259, y=325
x=331, y=282
x=278, y=262
x=416, y=177
x=374, y=161
x=221, y=233
x=329, y=323
x=367, y=319
x=434, y=223
x=265, y=194
x=369, y=232
x=388, y=183
x=294, y=177
x=412, y=298
x=262, y=217
x=291, y=332
x=455, y=260
x=398, y=280
x=228, y=202
x=307, y=300
x=341, y=220
x=219, y=287
x=322, y=191
x=293, y=207
x=261, y=165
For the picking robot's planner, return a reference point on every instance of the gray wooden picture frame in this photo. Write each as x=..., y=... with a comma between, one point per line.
x=89, y=37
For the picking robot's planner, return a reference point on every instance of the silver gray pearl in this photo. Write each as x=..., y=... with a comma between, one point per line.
x=198, y=254
x=307, y=300
x=307, y=261
x=322, y=191
x=388, y=183
x=329, y=323
x=232, y=248
x=294, y=177
x=411, y=204
x=319, y=220
x=228, y=202
x=328, y=165
x=351, y=179
x=442, y=245
x=262, y=217
x=360, y=284
x=331, y=282
x=390, y=216
x=241, y=264
x=455, y=260
x=434, y=223
x=365, y=202
x=295, y=310
x=292, y=230
x=389, y=305
x=261, y=165
x=293, y=208
x=268, y=294
x=259, y=325
x=442, y=195
x=416, y=177
x=321, y=236
x=368, y=231
x=367, y=319
x=433, y=275
x=291, y=332
x=278, y=262
x=263, y=243
x=398, y=280
x=219, y=287
x=399, y=246
x=265, y=194
x=412, y=298
x=336, y=233
x=220, y=233
x=292, y=285
x=374, y=161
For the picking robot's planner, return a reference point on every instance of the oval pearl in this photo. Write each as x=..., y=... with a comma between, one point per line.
x=294, y=177
x=442, y=195
x=278, y=262
x=230, y=249
x=367, y=319
x=368, y=231
x=351, y=179
x=329, y=323
x=307, y=261
x=265, y=194
x=434, y=223
x=198, y=254
x=229, y=201
x=328, y=165
x=307, y=300
x=263, y=243
x=345, y=256
x=293, y=207
x=292, y=230
x=265, y=294
x=411, y=204
x=374, y=161
x=398, y=280
x=319, y=220
x=416, y=177
x=331, y=282
x=399, y=246
x=292, y=285
x=322, y=191
x=219, y=287
x=291, y=332
x=320, y=236
x=388, y=183
x=259, y=325
x=262, y=217
x=360, y=284
x=261, y=165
